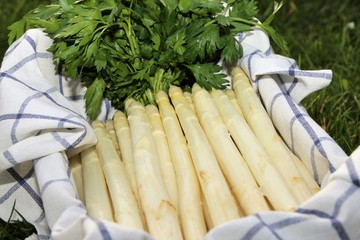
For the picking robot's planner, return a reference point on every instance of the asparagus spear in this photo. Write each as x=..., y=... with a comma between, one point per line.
x=222, y=206
x=190, y=202
x=266, y=175
x=126, y=211
x=263, y=128
x=234, y=167
x=97, y=199
x=161, y=215
x=162, y=146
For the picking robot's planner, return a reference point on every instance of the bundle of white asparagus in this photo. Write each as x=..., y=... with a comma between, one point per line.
x=191, y=163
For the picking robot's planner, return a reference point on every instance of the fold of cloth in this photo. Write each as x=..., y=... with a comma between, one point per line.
x=329, y=214
x=281, y=86
x=42, y=121
x=42, y=114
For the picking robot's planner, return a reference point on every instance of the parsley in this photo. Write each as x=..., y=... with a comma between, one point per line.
x=128, y=48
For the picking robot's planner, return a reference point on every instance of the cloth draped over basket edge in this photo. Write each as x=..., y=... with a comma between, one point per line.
x=42, y=118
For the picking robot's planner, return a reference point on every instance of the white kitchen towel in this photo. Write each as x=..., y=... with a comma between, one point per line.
x=282, y=86
x=42, y=119
x=330, y=214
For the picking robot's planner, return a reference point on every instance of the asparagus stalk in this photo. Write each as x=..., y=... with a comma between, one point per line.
x=109, y=124
x=96, y=194
x=272, y=184
x=207, y=217
x=161, y=215
x=76, y=172
x=126, y=211
x=188, y=96
x=304, y=171
x=122, y=130
x=162, y=146
x=222, y=206
x=190, y=202
x=231, y=95
x=263, y=128
x=234, y=167
x=123, y=136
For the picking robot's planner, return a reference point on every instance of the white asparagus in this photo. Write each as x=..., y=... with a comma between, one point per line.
x=231, y=95
x=76, y=172
x=126, y=210
x=123, y=135
x=109, y=124
x=207, y=217
x=188, y=97
x=122, y=130
x=304, y=171
x=222, y=206
x=263, y=128
x=238, y=175
x=96, y=194
x=190, y=204
x=161, y=216
x=270, y=181
x=162, y=146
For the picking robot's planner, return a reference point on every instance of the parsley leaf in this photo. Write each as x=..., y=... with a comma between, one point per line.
x=208, y=75
x=94, y=97
x=120, y=49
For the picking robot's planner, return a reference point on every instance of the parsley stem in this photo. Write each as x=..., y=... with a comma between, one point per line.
x=249, y=22
x=210, y=22
x=131, y=37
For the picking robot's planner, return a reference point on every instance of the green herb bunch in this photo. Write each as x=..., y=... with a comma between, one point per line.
x=129, y=48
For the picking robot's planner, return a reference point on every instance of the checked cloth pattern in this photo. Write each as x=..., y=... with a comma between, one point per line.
x=42, y=123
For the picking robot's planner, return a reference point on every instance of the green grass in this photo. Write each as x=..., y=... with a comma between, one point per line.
x=11, y=11
x=319, y=37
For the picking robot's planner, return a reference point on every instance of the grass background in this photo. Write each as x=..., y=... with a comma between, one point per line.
x=321, y=34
